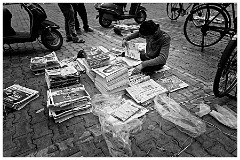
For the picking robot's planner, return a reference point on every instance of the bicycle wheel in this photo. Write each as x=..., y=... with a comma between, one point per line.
x=226, y=76
x=229, y=22
x=207, y=28
x=173, y=10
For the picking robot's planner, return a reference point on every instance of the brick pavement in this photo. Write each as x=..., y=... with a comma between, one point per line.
x=27, y=133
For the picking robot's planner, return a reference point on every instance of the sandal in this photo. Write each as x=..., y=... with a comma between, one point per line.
x=78, y=40
x=69, y=39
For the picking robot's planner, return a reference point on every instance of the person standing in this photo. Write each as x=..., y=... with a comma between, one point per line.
x=68, y=14
x=157, y=48
x=81, y=10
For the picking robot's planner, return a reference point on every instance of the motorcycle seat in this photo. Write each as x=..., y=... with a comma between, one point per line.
x=110, y=6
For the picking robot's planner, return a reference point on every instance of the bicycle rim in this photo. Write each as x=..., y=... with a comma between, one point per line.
x=173, y=10
x=205, y=26
x=226, y=76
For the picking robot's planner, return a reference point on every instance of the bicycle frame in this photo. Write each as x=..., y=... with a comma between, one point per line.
x=189, y=5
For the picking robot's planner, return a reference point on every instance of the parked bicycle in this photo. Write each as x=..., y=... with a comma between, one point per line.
x=214, y=23
x=174, y=10
x=226, y=77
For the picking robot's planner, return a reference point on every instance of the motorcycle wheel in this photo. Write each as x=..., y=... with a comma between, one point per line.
x=52, y=40
x=104, y=22
x=141, y=16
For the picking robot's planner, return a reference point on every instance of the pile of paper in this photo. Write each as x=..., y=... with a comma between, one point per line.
x=72, y=61
x=61, y=77
x=137, y=78
x=142, y=92
x=16, y=96
x=97, y=57
x=39, y=64
x=172, y=83
x=112, y=79
x=94, y=59
x=68, y=102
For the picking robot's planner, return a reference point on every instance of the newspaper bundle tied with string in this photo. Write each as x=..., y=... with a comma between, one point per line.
x=118, y=118
x=173, y=112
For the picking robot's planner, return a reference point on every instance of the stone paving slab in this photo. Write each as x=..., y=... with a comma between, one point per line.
x=32, y=134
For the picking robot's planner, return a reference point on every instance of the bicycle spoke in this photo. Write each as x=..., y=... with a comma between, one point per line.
x=210, y=25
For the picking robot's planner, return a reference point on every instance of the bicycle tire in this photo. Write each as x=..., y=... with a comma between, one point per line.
x=201, y=31
x=223, y=82
x=229, y=19
x=173, y=10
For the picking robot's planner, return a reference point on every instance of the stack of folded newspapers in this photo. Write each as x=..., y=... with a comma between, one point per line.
x=112, y=79
x=94, y=57
x=39, y=64
x=97, y=57
x=61, y=77
x=72, y=61
x=145, y=91
x=68, y=102
x=16, y=97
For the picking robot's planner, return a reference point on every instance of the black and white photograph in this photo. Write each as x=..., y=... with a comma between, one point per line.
x=133, y=79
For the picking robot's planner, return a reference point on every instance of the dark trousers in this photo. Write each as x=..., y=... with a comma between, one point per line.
x=150, y=68
x=81, y=10
x=68, y=14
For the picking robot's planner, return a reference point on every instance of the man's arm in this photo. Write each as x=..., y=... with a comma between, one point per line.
x=132, y=36
x=161, y=58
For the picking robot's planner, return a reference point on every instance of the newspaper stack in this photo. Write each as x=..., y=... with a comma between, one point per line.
x=68, y=102
x=138, y=78
x=125, y=29
x=62, y=77
x=112, y=79
x=39, y=64
x=97, y=57
x=172, y=83
x=16, y=96
x=72, y=61
x=93, y=59
x=145, y=91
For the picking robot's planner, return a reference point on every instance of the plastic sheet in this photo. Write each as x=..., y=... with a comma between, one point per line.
x=204, y=109
x=225, y=115
x=172, y=111
x=116, y=133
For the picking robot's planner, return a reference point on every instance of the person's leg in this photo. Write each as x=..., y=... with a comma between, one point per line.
x=71, y=22
x=64, y=10
x=83, y=14
x=133, y=8
x=77, y=25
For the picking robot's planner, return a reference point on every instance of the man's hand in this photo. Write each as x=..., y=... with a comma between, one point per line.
x=137, y=69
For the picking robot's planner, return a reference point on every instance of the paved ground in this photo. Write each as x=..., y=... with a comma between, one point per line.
x=27, y=133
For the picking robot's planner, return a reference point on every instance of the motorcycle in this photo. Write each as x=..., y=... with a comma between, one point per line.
x=51, y=38
x=109, y=12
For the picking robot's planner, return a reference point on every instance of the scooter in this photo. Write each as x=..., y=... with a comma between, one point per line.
x=109, y=12
x=51, y=38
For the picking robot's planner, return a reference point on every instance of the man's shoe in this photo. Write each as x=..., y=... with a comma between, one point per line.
x=79, y=32
x=78, y=40
x=69, y=39
x=88, y=29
